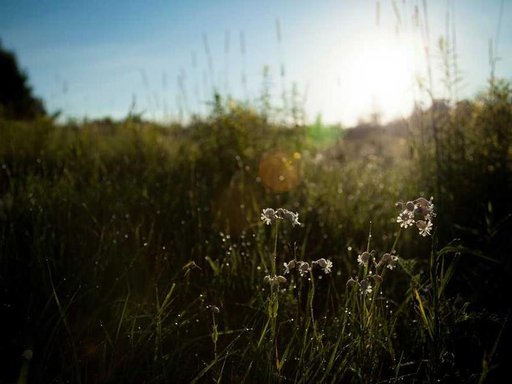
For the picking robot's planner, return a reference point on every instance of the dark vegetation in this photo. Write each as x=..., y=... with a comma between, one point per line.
x=16, y=99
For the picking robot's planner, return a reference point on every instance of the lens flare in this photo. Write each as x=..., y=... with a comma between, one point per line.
x=280, y=171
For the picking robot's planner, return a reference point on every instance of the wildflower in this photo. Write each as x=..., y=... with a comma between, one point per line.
x=410, y=206
x=213, y=308
x=288, y=215
x=425, y=208
x=363, y=258
x=392, y=262
x=419, y=212
x=289, y=266
x=385, y=259
x=326, y=265
x=303, y=268
x=275, y=280
x=405, y=218
x=424, y=203
x=365, y=286
x=269, y=215
x=351, y=282
x=424, y=227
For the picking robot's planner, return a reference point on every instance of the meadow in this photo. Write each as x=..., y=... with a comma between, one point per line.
x=138, y=252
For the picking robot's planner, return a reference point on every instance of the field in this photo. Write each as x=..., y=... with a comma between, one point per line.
x=133, y=252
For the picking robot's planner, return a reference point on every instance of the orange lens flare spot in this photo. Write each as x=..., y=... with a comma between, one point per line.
x=279, y=171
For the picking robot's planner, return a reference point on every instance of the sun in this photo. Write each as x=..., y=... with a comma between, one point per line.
x=374, y=74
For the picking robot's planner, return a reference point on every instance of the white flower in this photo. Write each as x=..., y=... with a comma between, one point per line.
x=392, y=262
x=363, y=258
x=425, y=208
x=268, y=216
x=327, y=269
x=288, y=215
x=326, y=265
x=405, y=218
x=424, y=227
x=366, y=287
x=385, y=259
x=289, y=266
x=303, y=268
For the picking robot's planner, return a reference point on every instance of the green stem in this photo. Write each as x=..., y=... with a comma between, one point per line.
x=311, y=296
x=369, y=238
x=396, y=240
x=274, y=256
x=377, y=286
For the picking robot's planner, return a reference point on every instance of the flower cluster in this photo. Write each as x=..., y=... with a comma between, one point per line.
x=364, y=285
x=270, y=215
x=419, y=212
x=304, y=268
x=275, y=280
x=368, y=260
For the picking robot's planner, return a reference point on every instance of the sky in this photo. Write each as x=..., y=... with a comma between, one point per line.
x=165, y=59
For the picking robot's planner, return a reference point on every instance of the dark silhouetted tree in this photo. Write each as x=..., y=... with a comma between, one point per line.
x=16, y=99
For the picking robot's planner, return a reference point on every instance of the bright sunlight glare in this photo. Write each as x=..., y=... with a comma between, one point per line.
x=377, y=75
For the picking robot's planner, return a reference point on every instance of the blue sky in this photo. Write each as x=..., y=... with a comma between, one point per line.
x=96, y=58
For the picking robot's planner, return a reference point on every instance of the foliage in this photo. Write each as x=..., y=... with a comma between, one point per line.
x=16, y=99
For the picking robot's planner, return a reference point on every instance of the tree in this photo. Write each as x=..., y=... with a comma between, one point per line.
x=16, y=99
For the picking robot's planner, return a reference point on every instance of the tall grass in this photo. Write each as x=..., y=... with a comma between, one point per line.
x=132, y=252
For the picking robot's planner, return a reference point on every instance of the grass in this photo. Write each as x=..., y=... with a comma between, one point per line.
x=132, y=252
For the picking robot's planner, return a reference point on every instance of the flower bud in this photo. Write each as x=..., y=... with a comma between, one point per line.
x=377, y=278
